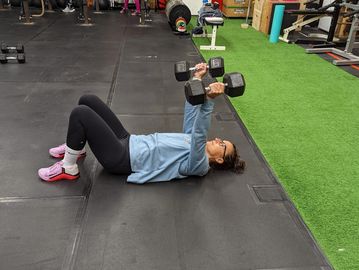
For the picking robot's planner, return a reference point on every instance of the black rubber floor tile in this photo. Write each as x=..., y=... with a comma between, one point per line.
x=164, y=52
x=156, y=91
x=37, y=234
x=34, y=118
x=55, y=70
x=196, y=223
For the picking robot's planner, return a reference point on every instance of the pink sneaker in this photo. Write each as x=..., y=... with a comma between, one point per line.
x=59, y=151
x=123, y=11
x=58, y=172
x=135, y=13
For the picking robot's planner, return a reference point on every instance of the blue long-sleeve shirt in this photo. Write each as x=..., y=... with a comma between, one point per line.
x=165, y=156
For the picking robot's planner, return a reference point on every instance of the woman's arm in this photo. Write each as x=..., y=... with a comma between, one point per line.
x=197, y=163
x=190, y=112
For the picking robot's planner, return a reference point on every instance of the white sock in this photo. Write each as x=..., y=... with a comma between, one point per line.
x=70, y=157
x=83, y=150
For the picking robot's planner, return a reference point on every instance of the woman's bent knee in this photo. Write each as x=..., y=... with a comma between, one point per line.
x=87, y=99
x=81, y=112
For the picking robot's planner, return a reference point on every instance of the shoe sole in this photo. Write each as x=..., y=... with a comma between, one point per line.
x=62, y=155
x=64, y=176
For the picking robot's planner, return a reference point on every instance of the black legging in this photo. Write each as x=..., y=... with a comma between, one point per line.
x=94, y=122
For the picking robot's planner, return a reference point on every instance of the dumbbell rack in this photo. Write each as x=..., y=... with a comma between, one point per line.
x=350, y=58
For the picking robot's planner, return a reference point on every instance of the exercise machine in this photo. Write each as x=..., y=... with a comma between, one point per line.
x=347, y=53
x=318, y=13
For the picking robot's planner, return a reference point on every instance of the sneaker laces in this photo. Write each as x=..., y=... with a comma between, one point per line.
x=54, y=168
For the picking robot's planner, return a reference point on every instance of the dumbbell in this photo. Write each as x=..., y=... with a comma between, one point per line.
x=183, y=69
x=195, y=90
x=6, y=49
x=19, y=57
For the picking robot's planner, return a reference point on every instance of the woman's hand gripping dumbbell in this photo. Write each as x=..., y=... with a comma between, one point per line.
x=233, y=85
x=183, y=69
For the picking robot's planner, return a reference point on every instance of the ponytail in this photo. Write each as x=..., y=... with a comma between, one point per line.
x=231, y=162
x=239, y=165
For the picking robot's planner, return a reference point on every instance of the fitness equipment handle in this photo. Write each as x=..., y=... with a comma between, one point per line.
x=194, y=68
x=209, y=88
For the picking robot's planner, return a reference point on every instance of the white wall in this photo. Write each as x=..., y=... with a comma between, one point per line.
x=193, y=5
x=324, y=23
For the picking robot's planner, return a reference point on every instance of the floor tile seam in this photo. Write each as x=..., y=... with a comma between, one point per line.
x=71, y=254
x=42, y=30
x=40, y=198
x=62, y=82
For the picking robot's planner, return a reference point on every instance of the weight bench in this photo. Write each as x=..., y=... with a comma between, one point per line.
x=214, y=22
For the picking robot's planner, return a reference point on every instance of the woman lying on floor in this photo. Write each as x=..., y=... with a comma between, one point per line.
x=144, y=158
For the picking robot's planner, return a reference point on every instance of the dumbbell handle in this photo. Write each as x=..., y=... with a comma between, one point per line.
x=11, y=58
x=194, y=68
x=209, y=88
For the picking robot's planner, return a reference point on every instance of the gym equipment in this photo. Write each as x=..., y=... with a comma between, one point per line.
x=181, y=25
x=215, y=22
x=297, y=25
x=6, y=49
x=277, y=23
x=195, y=90
x=177, y=9
x=333, y=10
x=209, y=16
x=145, y=13
x=183, y=69
x=350, y=58
x=25, y=11
x=19, y=57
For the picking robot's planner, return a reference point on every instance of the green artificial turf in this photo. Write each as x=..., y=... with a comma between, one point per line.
x=303, y=114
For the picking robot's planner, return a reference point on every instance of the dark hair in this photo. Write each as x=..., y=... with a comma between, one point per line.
x=231, y=162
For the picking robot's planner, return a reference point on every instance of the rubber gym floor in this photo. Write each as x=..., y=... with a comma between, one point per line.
x=221, y=221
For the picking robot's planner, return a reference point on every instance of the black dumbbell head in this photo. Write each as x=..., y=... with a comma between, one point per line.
x=4, y=48
x=182, y=71
x=216, y=66
x=235, y=84
x=21, y=58
x=20, y=48
x=195, y=92
x=3, y=59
